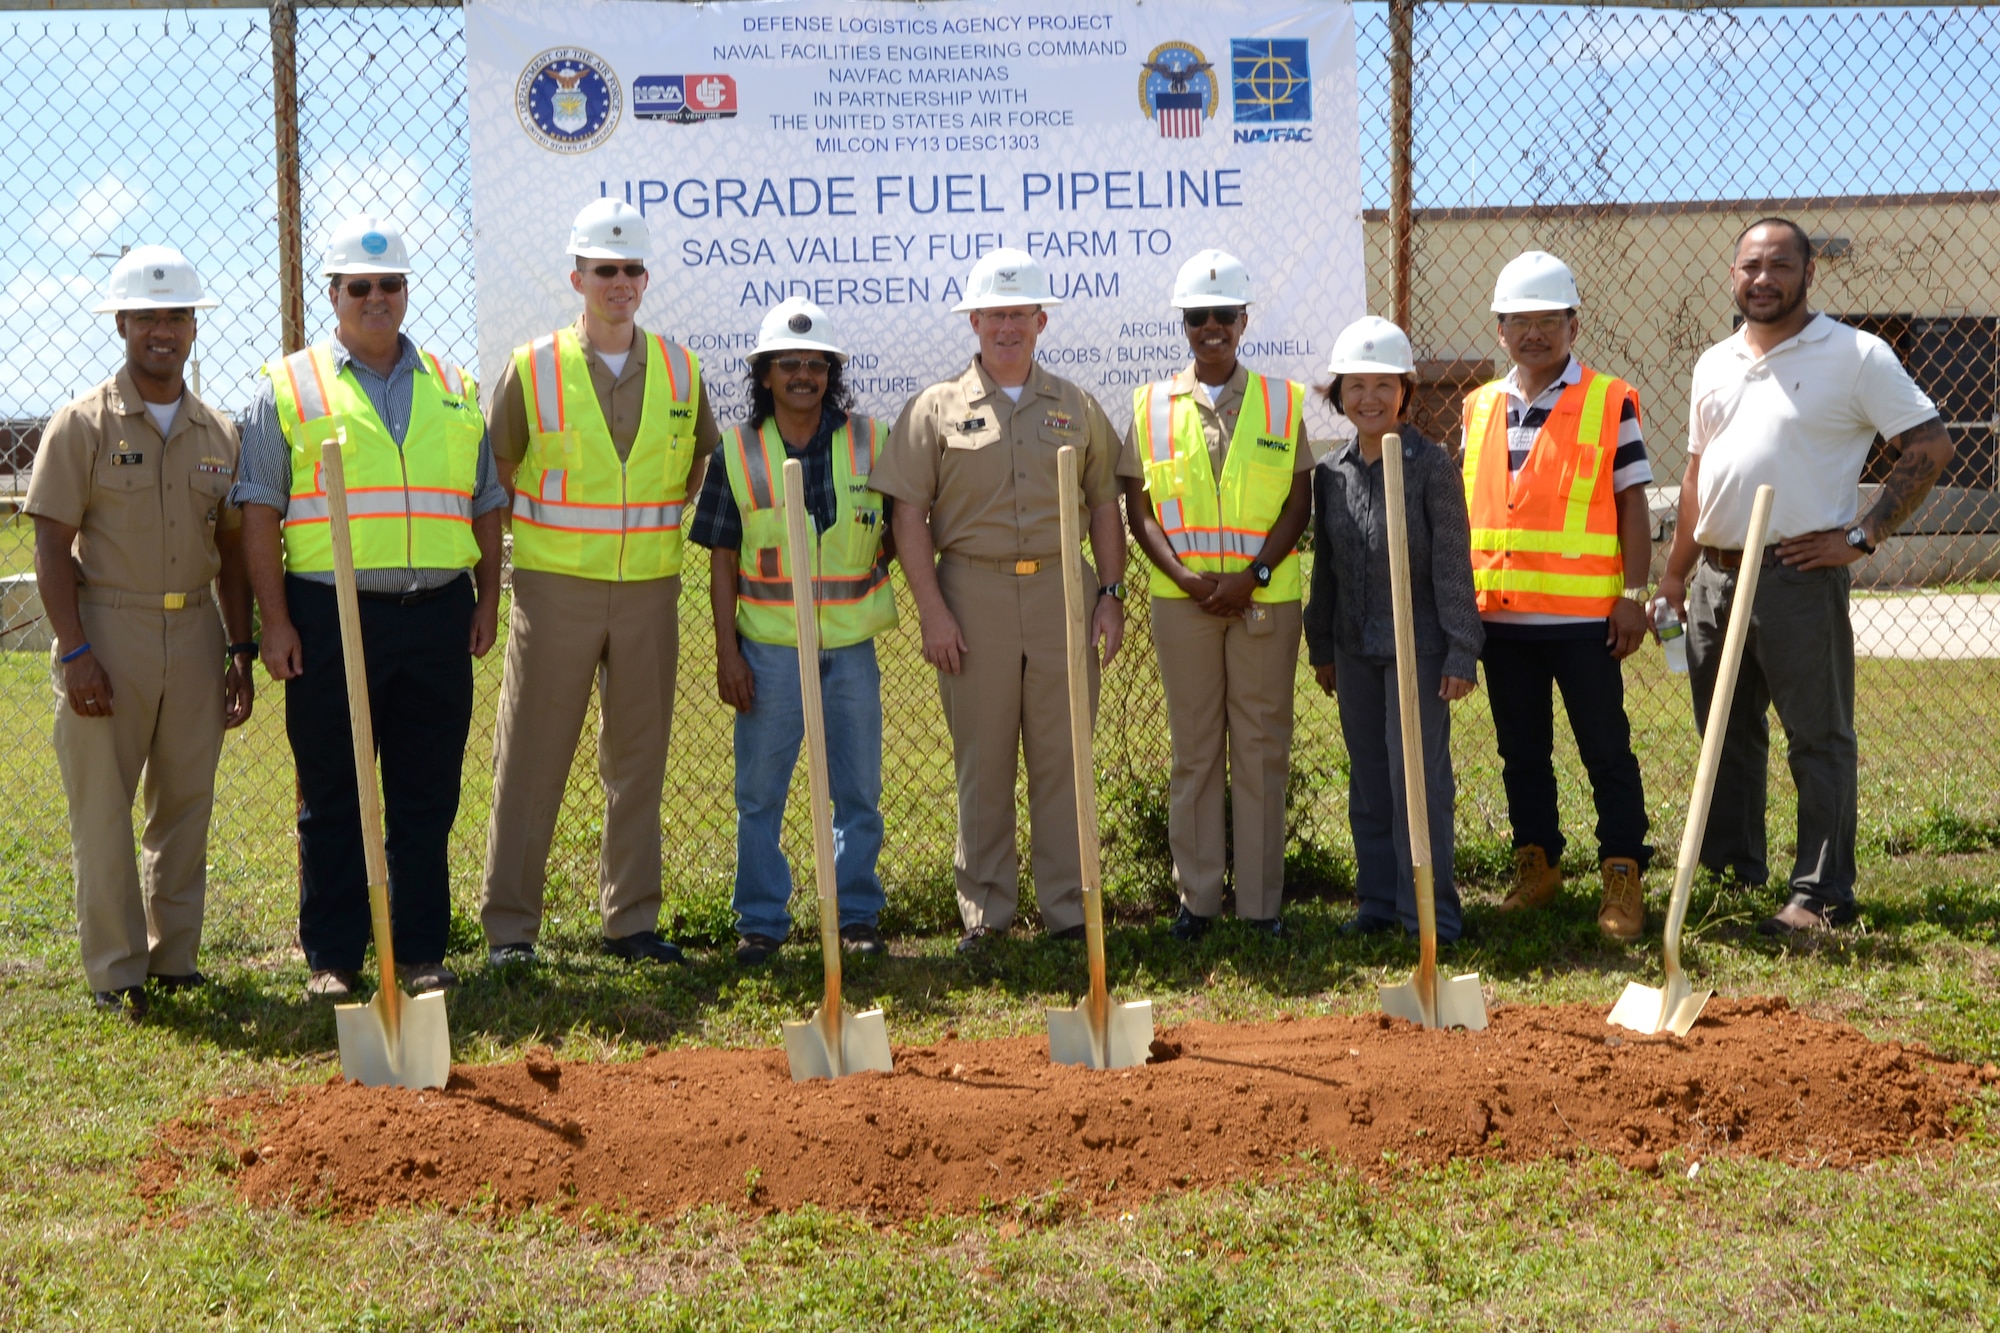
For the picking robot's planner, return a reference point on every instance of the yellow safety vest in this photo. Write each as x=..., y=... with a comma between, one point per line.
x=1221, y=533
x=1545, y=540
x=578, y=508
x=408, y=508
x=851, y=592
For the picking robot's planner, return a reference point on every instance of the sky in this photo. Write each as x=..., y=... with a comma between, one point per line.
x=156, y=127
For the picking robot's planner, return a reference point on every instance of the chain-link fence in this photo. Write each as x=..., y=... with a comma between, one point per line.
x=1635, y=143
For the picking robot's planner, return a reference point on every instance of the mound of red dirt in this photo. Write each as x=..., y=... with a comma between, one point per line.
x=964, y=1122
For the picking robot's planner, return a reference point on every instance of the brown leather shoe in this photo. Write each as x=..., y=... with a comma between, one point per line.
x=1622, y=915
x=332, y=984
x=1800, y=918
x=1535, y=880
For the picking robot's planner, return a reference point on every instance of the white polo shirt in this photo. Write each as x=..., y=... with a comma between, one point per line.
x=1798, y=419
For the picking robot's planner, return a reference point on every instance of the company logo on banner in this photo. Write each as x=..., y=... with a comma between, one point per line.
x=568, y=100
x=1177, y=90
x=864, y=154
x=684, y=98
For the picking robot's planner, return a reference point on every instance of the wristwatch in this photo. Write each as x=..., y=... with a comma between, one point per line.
x=1262, y=572
x=1857, y=537
x=1636, y=595
x=236, y=650
x=1115, y=591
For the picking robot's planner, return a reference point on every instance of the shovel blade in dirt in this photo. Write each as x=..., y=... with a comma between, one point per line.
x=1459, y=1003
x=856, y=1044
x=376, y=1054
x=1654, y=1009
x=1128, y=1036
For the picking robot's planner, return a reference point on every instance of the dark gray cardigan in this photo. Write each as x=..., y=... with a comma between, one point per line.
x=1350, y=604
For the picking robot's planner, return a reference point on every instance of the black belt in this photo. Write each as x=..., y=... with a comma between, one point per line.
x=1727, y=561
x=417, y=598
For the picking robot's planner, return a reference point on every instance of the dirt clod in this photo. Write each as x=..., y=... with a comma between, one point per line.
x=729, y=1126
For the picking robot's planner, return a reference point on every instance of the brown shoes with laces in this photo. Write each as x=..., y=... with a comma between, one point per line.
x=1535, y=880
x=1622, y=916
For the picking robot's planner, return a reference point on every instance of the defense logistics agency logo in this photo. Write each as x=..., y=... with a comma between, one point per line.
x=1178, y=89
x=684, y=98
x=568, y=100
x=1272, y=80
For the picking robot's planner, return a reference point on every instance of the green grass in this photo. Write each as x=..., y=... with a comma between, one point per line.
x=17, y=543
x=1904, y=1244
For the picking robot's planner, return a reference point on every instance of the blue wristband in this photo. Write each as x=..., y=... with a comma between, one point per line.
x=74, y=653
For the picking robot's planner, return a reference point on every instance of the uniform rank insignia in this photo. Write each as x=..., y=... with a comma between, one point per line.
x=971, y=424
x=1059, y=421
x=127, y=460
x=213, y=466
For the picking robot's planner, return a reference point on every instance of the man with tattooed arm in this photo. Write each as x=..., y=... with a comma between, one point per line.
x=1793, y=399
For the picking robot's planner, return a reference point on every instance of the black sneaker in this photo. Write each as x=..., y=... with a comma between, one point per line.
x=863, y=938
x=1073, y=934
x=511, y=955
x=1369, y=925
x=644, y=946
x=975, y=940
x=1188, y=927
x=1806, y=916
x=128, y=1002
x=752, y=950
x=185, y=981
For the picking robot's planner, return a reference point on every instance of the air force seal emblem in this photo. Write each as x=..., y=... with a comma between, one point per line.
x=568, y=100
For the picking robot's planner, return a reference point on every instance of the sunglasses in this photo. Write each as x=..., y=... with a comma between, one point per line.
x=613, y=270
x=361, y=288
x=1225, y=316
x=792, y=365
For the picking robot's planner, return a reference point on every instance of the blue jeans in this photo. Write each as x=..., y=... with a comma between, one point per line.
x=767, y=751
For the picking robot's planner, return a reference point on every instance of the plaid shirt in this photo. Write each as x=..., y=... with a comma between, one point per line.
x=718, y=524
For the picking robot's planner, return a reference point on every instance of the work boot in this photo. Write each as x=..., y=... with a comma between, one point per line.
x=1535, y=880
x=1622, y=915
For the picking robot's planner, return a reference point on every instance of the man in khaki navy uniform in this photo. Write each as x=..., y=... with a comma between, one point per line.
x=599, y=430
x=424, y=506
x=128, y=502
x=971, y=465
x=1218, y=487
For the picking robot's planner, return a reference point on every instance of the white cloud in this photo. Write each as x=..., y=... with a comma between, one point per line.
x=93, y=216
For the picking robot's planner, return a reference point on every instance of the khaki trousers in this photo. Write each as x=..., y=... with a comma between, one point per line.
x=166, y=725
x=1229, y=680
x=1010, y=700
x=563, y=631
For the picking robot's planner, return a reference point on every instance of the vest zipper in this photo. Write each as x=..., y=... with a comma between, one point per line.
x=409, y=519
x=624, y=502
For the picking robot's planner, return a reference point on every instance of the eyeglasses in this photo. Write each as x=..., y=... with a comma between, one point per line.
x=793, y=365
x=173, y=319
x=1549, y=324
x=613, y=270
x=361, y=288
x=1226, y=316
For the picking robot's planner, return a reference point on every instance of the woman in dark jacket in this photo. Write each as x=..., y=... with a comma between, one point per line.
x=1350, y=630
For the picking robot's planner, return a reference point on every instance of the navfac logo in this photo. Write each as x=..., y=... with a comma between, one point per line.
x=1178, y=89
x=1272, y=86
x=684, y=98
x=568, y=100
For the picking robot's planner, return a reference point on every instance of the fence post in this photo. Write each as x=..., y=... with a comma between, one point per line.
x=285, y=109
x=1401, y=223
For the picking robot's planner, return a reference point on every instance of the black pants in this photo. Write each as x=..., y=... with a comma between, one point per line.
x=1799, y=658
x=1522, y=663
x=420, y=696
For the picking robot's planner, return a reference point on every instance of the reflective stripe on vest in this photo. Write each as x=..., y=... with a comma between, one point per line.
x=410, y=507
x=1222, y=528
x=578, y=508
x=1545, y=540
x=851, y=589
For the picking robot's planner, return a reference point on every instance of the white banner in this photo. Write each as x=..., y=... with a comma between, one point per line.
x=863, y=154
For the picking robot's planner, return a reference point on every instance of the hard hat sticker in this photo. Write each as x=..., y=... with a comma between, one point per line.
x=800, y=323
x=375, y=243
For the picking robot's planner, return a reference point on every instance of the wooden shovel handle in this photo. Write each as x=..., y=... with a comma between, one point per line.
x=1415, y=798
x=1076, y=619
x=805, y=615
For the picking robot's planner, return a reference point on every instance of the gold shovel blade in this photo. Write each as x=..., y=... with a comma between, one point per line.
x=1460, y=1003
x=1128, y=1036
x=1655, y=1009
x=864, y=1045
x=422, y=1059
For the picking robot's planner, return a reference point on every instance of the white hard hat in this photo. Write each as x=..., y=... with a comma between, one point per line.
x=1536, y=280
x=365, y=243
x=1211, y=279
x=153, y=277
x=1004, y=278
x=796, y=324
x=1371, y=345
x=610, y=229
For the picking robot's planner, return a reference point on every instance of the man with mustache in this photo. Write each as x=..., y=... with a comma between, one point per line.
x=424, y=506
x=601, y=431
x=135, y=549
x=971, y=465
x=1555, y=483
x=1793, y=399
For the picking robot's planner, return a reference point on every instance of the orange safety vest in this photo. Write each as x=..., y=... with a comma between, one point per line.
x=1545, y=540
